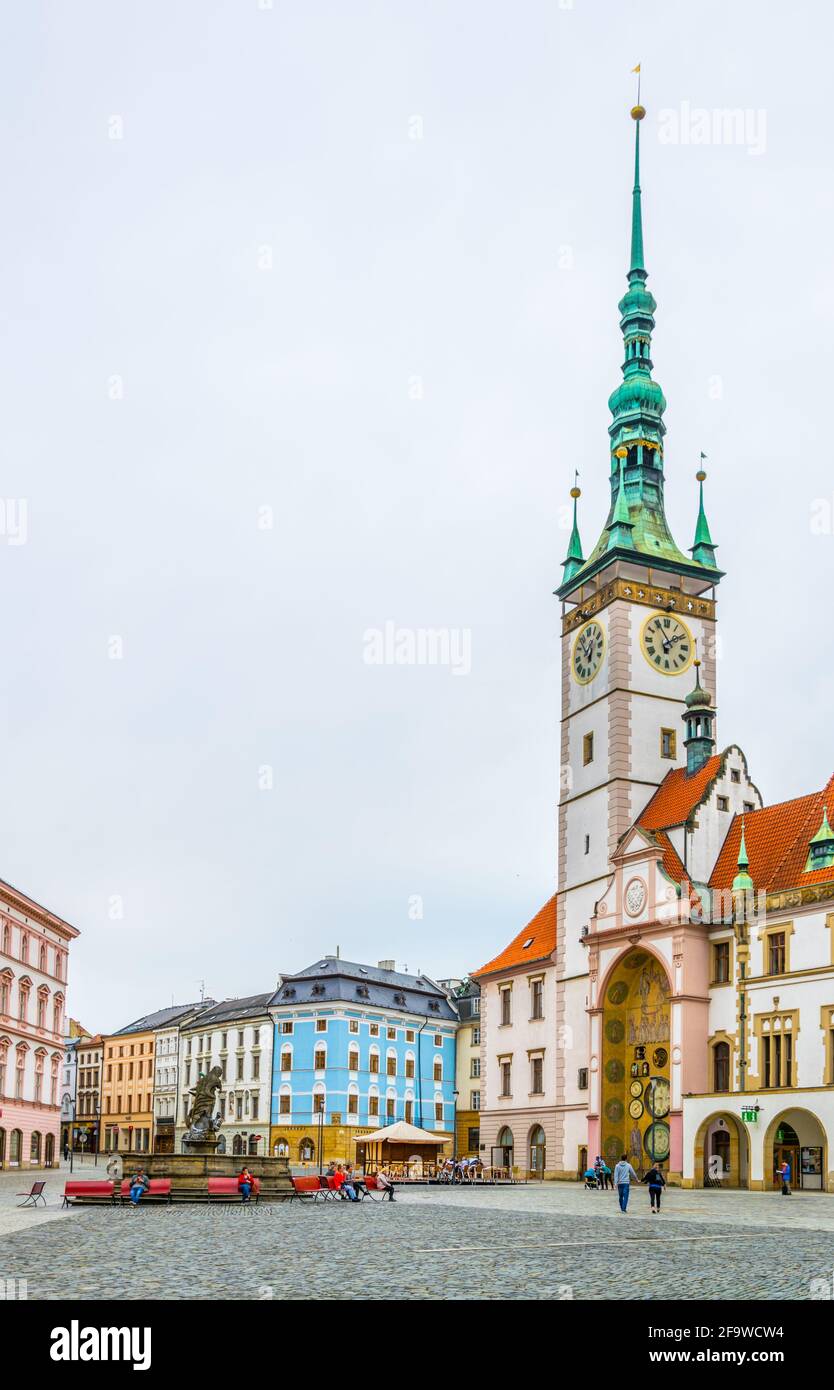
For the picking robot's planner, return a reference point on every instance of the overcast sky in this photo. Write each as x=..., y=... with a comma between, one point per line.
x=359, y=264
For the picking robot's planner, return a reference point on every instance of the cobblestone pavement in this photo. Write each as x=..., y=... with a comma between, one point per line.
x=543, y=1242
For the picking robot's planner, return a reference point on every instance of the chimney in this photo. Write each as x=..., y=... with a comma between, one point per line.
x=386, y=965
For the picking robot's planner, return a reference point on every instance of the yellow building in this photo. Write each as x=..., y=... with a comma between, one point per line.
x=127, y=1086
x=467, y=998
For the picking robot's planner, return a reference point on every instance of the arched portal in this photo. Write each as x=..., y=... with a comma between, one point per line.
x=536, y=1145
x=636, y=1093
x=722, y=1152
x=502, y=1153
x=798, y=1136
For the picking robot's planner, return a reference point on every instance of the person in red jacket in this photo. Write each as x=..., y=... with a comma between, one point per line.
x=245, y=1183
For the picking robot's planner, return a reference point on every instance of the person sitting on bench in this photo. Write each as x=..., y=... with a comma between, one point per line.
x=139, y=1185
x=245, y=1183
x=383, y=1181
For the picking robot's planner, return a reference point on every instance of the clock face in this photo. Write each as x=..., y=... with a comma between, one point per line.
x=636, y=1089
x=658, y=1098
x=656, y=1141
x=635, y=897
x=635, y=1109
x=588, y=651
x=667, y=644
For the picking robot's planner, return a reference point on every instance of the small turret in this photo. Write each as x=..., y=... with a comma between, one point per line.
x=698, y=720
x=821, y=847
x=573, y=561
x=703, y=551
x=743, y=886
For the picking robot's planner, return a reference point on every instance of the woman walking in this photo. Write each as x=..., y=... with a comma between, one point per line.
x=656, y=1182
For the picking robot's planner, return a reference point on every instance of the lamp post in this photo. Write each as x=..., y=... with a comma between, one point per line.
x=321, y=1140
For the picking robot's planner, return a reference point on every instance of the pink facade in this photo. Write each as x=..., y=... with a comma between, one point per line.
x=34, y=953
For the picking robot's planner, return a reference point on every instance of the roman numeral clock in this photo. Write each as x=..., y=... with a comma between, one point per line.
x=667, y=644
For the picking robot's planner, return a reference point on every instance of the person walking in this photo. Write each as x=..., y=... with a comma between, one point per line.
x=245, y=1183
x=656, y=1182
x=139, y=1185
x=785, y=1175
x=623, y=1173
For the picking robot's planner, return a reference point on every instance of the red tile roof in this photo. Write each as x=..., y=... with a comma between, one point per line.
x=776, y=839
x=678, y=795
x=540, y=932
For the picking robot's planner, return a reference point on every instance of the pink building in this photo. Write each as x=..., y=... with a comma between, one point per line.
x=34, y=952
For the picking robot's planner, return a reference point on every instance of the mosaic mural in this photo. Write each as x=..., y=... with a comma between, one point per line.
x=636, y=1095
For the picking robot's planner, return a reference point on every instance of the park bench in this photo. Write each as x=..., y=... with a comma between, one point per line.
x=369, y=1187
x=308, y=1187
x=160, y=1189
x=228, y=1190
x=33, y=1196
x=88, y=1191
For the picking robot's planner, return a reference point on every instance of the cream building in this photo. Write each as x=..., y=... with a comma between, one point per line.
x=237, y=1037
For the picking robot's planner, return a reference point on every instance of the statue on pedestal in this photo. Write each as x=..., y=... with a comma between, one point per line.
x=200, y=1118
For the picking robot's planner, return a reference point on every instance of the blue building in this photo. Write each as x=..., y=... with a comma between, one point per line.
x=357, y=1047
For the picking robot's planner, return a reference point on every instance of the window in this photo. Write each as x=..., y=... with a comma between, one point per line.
x=284, y=1105
x=476, y=1037
x=373, y=1063
x=437, y=1071
x=409, y=1066
x=409, y=1035
x=240, y=1038
x=353, y=1059
x=587, y=844
x=320, y=1058
x=475, y=1068
x=473, y=1140
x=321, y=1025
x=438, y=1040
x=735, y=775
x=537, y=998
x=409, y=1112
x=749, y=807
x=582, y=1079
x=723, y=803
x=286, y=1026
x=239, y=1073
x=256, y=1037
x=721, y=1067
x=506, y=1007
x=391, y=1065
x=474, y=1100
x=353, y=1025
x=776, y=953
x=777, y=1059
x=506, y=1078
x=391, y=1034
x=588, y=749
x=353, y=1103
x=224, y=1040
x=438, y=1112
x=476, y=1004
x=318, y=1103
x=389, y=1108
x=374, y=1030
x=373, y=1105
x=720, y=965
x=668, y=743
x=256, y=1067
x=536, y=1075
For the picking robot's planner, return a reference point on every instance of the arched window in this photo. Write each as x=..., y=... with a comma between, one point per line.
x=5, y=991
x=409, y=1064
x=537, y=1150
x=320, y=1056
x=43, y=996
x=7, y=939
x=438, y=1068
x=373, y=1102
x=15, y=1148
x=40, y=1058
x=505, y=1145
x=306, y=1151
x=721, y=1066
x=237, y=1145
x=373, y=1060
x=49, y=1151
x=24, y=948
x=23, y=998
x=391, y=1062
x=286, y=1057
x=42, y=959
x=353, y=1103
x=319, y=1099
x=57, y=1013
x=35, y=1148
x=353, y=1058
x=281, y=1149
x=53, y=1081
x=20, y=1068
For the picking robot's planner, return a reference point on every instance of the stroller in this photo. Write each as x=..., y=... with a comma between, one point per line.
x=592, y=1182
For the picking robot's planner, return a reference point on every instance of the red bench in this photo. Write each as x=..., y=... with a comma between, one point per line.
x=307, y=1187
x=159, y=1187
x=87, y=1190
x=228, y=1188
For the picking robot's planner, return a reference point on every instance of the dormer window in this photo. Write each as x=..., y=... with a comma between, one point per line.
x=821, y=847
x=289, y=993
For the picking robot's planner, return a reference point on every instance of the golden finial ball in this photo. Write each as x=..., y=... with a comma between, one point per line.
x=621, y=453
x=576, y=492
x=701, y=476
x=697, y=661
x=637, y=113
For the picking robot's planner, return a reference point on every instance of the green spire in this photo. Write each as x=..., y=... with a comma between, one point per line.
x=637, y=265
x=743, y=883
x=573, y=561
x=821, y=847
x=621, y=525
x=703, y=551
x=636, y=520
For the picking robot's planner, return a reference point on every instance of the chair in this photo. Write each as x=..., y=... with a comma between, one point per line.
x=34, y=1196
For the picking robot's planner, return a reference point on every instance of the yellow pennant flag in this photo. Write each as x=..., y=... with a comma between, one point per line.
x=637, y=69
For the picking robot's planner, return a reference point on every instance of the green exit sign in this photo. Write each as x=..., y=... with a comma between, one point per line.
x=750, y=1116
